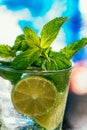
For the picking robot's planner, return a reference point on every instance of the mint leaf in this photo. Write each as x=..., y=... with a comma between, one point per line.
x=25, y=59
x=57, y=61
x=49, y=65
x=19, y=44
x=8, y=74
x=43, y=57
x=5, y=51
x=61, y=60
x=39, y=61
x=50, y=31
x=73, y=48
x=31, y=37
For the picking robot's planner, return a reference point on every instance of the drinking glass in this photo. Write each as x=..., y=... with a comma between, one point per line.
x=11, y=119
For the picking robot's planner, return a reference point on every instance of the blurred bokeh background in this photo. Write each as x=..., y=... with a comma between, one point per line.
x=14, y=15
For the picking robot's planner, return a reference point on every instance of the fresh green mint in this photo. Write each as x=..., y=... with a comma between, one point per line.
x=5, y=51
x=25, y=59
x=50, y=31
x=31, y=50
x=71, y=49
x=31, y=37
x=42, y=44
x=19, y=45
x=61, y=60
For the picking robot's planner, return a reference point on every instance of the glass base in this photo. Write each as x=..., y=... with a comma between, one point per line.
x=34, y=127
x=29, y=127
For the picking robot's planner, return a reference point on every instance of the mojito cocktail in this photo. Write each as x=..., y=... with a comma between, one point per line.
x=36, y=102
x=34, y=79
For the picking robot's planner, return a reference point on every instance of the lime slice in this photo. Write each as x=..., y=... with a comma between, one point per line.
x=54, y=117
x=34, y=96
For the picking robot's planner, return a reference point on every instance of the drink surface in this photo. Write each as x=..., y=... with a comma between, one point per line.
x=35, y=79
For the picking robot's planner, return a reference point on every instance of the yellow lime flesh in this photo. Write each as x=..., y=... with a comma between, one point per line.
x=54, y=117
x=34, y=96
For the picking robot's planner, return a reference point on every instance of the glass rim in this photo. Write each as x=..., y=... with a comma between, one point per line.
x=32, y=70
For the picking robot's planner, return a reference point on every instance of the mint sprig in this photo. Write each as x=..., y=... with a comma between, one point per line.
x=19, y=45
x=50, y=31
x=36, y=51
x=61, y=60
x=74, y=47
x=25, y=59
x=31, y=37
x=48, y=34
x=5, y=51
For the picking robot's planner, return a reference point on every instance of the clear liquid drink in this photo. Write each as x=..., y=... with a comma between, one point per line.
x=11, y=119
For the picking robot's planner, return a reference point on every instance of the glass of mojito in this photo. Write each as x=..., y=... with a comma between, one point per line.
x=34, y=79
x=39, y=99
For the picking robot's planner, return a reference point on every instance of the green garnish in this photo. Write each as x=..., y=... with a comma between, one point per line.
x=5, y=51
x=31, y=38
x=35, y=51
x=50, y=31
x=19, y=45
x=26, y=58
x=71, y=49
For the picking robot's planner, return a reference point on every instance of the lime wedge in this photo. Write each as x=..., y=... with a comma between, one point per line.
x=34, y=96
x=54, y=117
